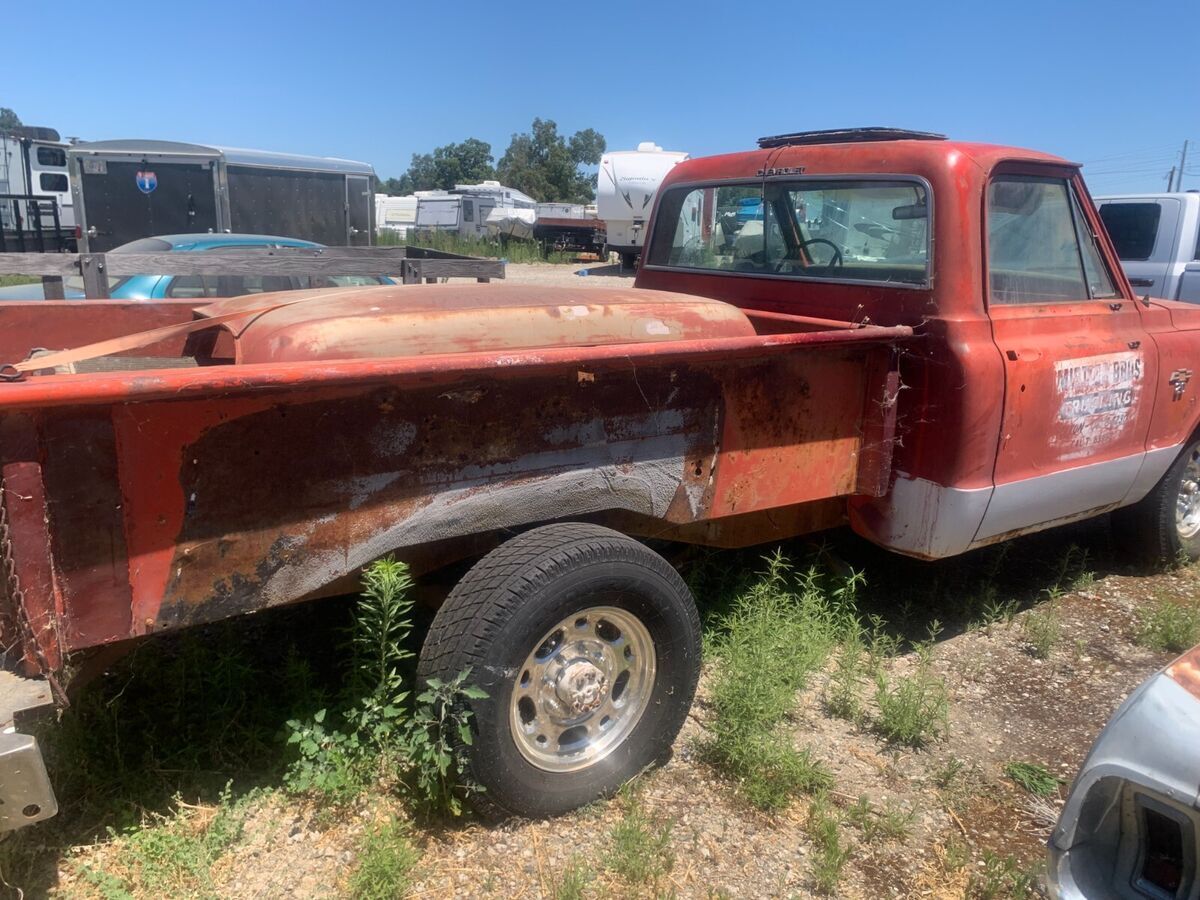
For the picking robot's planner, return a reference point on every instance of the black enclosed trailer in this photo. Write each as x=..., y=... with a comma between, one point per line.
x=125, y=190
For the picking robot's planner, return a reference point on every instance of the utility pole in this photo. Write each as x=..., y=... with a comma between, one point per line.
x=1182, y=164
x=1170, y=179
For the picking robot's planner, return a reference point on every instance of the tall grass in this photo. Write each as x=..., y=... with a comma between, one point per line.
x=513, y=250
x=778, y=631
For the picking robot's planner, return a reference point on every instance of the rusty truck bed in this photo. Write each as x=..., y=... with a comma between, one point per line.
x=203, y=475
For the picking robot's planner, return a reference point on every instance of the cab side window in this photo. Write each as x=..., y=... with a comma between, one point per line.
x=1040, y=249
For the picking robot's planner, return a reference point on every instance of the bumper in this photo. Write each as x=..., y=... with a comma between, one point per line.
x=26, y=795
x=1131, y=824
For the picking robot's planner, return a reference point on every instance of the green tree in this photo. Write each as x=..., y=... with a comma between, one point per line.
x=392, y=186
x=468, y=162
x=8, y=119
x=546, y=165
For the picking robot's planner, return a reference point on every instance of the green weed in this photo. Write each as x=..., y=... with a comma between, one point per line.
x=574, y=881
x=170, y=855
x=381, y=734
x=913, y=709
x=777, y=633
x=1036, y=779
x=639, y=849
x=891, y=823
x=843, y=692
x=1001, y=877
x=386, y=858
x=997, y=611
x=1170, y=626
x=1042, y=631
x=831, y=856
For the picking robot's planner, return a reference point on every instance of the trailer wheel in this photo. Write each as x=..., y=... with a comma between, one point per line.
x=588, y=646
x=1164, y=527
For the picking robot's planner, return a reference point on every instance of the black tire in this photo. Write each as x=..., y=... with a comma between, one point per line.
x=507, y=602
x=1151, y=528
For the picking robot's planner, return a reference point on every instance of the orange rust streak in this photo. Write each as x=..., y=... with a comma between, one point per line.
x=149, y=472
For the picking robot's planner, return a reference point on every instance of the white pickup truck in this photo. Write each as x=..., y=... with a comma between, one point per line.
x=1157, y=237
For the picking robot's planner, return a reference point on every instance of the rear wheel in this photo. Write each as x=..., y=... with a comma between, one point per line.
x=1164, y=527
x=588, y=646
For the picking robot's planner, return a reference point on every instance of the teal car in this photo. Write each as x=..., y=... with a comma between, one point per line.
x=195, y=287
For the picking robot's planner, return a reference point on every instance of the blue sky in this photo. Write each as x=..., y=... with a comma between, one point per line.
x=1108, y=84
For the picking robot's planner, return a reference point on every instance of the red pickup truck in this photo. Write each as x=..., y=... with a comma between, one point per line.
x=930, y=341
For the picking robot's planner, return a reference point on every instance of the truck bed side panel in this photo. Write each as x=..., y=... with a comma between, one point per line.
x=179, y=510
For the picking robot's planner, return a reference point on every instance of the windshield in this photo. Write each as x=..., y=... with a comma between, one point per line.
x=837, y=229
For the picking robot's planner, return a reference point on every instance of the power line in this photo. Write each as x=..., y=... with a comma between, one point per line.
x=1159, y=148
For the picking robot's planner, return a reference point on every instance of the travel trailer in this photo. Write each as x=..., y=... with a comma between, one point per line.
x=466, y=208
x=478, y=200
x=125, y=190
x=625, y=190
x=36, y=211
x=395, y=214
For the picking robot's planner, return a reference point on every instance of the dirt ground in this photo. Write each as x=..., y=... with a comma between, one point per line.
x=600, y=275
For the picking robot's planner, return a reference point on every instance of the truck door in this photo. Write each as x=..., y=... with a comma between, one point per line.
x=124, y=201
x=1145, y=232
x=360, y=204
x=1077, y=359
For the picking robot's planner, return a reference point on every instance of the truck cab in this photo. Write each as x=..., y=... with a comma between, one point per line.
x=1042, y=389
x=1157, y=237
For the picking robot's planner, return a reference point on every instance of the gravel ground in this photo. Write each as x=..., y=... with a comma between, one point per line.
x=599, y=275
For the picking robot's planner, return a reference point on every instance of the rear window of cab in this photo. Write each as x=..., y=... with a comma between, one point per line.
x=852, y=229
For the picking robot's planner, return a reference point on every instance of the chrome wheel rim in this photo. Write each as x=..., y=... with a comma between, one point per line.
x=582, y=690
x=1187, y=503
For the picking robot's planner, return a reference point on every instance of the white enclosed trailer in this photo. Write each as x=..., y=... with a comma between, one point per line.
x=33, y=164
x=625, y=190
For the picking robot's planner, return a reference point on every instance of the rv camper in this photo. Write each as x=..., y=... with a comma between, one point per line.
x=465, y=209
x=395, y=214
x=36, y=212
x=626, y=185
x=126, y=190
x=478, y=200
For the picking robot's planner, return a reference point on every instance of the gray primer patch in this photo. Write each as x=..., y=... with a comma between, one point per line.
x=646, y=486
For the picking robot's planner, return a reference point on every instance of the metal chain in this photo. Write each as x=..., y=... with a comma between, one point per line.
x=12, y=598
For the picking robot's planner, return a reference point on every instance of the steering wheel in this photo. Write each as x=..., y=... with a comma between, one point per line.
x=837, y=254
